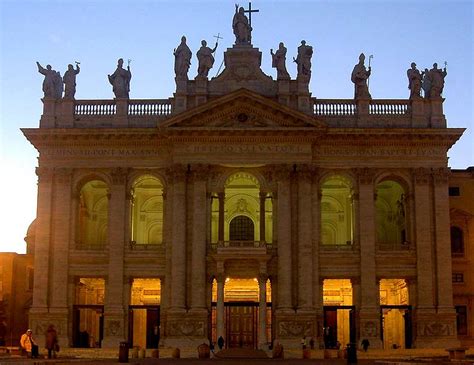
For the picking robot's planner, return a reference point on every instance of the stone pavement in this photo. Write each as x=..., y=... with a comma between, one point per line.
x=372, y=357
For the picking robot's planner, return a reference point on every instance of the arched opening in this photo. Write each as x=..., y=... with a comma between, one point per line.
x=396, y=314
x=457, y=241
x=337, y=212
x=239, y=207
x=93, y=215
x=147, y=211
x=88, y=310
x=144, y=313
x=390, y=208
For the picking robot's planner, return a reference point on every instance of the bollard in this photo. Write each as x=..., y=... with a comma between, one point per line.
x=123, y=352
x=351, y=353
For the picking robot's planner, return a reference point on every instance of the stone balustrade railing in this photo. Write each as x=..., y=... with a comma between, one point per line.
x=94, y=107
x=149, y=107
x=345, y=107
x=389, y=107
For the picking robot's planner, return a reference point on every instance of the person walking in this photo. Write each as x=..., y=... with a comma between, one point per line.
x=52, y=342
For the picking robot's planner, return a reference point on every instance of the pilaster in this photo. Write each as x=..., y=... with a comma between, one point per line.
x=369, y=304
x=114, y=314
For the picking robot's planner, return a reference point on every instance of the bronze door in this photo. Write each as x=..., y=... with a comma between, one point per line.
x=241, y=326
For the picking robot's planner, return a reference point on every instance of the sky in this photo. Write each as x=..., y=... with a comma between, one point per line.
x=98, y=32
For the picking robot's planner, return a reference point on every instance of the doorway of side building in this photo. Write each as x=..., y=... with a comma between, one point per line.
x=396, y=314
x=339, y=313
x=241, y=316
x=144, y=313
x=88, y=312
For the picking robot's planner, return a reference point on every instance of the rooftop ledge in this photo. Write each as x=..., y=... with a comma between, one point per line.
x=122, y=113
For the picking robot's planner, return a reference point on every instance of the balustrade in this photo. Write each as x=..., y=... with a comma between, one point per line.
x=94, y=107
x=334, y=107
x=149, y=107
x=388, y=107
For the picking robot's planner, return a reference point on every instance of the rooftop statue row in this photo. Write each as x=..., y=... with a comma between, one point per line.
x=432, y=81
x=54, y=84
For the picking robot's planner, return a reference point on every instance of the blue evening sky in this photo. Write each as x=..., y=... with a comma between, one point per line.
x=98, y=32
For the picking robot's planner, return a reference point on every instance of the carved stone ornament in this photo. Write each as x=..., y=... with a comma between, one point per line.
x=119, y=175
x=305, y=173
x=435, y=329
x=45, y=174
x=369, y=329
x=441, y=175
x=200, y=172
x=421, y=175
x=177, y=173
x=113, y=328
x=40, y=326
x=294, y=329
x=186, y=328
x=282, y=172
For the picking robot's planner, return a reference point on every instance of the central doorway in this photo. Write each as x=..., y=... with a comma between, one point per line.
x=241, y=313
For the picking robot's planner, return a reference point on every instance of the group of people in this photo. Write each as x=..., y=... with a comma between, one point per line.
x=54, y=84
x=431, y=81
x=29, y=345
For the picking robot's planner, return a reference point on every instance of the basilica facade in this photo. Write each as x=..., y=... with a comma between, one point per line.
x=243, y=208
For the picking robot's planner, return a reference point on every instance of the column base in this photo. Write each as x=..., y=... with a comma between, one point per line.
x=39, y=321
x=369, y=322
x=436, y=330
x=185, y=330
x=114, y=330
x=291, y=327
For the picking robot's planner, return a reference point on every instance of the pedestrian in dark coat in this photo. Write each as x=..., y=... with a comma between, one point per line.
x=51, y=341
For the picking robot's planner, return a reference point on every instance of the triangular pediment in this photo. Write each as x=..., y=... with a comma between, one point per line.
x=242, y=110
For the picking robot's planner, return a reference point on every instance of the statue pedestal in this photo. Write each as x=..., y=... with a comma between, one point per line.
x=201, y=89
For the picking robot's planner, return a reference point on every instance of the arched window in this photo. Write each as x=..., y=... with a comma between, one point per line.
x=147, y=211
x=241, y=229
x=93, y=215
x=457, y=241
x=391, y=211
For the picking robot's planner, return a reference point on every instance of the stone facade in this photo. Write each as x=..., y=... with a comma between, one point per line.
x=291, y=146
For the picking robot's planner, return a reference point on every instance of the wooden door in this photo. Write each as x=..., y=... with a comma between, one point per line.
x=241, y=328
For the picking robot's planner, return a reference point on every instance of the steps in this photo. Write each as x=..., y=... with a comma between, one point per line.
x=241, y=353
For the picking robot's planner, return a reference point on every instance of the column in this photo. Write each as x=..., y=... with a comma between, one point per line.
x=305, y=242
x=114, y=326
x=369, y=305
x=424, y=265
x=263, y=197
x=220, y=305
x=60, y=253
x=443, y=237
x=356, y=297
x=284, y=240
x=220, y=234
x=43, y=236
x=262, y=312
x=198, y=264
x=178, y=245
x=317, y=281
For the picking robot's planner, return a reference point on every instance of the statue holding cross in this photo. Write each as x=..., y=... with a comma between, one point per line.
x=241, y=25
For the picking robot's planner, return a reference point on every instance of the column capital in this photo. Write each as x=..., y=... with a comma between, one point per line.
x=45, y=174
x=365, y=175
x=441, y=175
x=63, y=175
x=200, y=172
x=282, y=172
x=421, y=176
x=177, y=172
x=355, y=280
x=305, y=173
x=119, y=175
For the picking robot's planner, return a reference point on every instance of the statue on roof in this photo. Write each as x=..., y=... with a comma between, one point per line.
x=205, y=58
x=359, y=77
x=437, y=81
x=279, y=62
x=241, y=26
x=50, y=87
x=426, y=83
x=182, y=60
x=69, y=80
x=414, y=81
x=120, y=80
x=303, y=60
